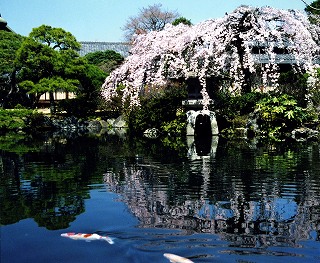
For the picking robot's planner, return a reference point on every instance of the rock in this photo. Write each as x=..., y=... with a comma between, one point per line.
x=151, y=133
x=104, y=124
x=120, y=123
x=94, y=126
x=304, y=134
x=72, y=126
x=121, y=132
x=111, y=122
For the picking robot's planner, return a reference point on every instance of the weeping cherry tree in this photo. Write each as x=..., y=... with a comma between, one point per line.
x=242, y=51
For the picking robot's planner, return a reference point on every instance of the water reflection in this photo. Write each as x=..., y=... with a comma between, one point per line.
x=251, y=197
x=203, y=146
x=47, y=183
x=53, y=203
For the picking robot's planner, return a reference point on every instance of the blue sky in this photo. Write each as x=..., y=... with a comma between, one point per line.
x=102, y=20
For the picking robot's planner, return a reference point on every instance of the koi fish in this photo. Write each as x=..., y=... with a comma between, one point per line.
x=176, y=259
x=87, y=237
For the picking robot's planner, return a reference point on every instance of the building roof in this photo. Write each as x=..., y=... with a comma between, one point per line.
x=4, y=25
x=121, y=47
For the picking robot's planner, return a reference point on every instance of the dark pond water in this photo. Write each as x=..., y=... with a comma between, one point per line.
x=221, y=201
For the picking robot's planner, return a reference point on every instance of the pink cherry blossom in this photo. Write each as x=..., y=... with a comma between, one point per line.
x=223, y=48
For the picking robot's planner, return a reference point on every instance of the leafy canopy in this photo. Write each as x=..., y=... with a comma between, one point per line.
x=56, y=38
x=48, y=61
x=9, y=44
x=182, y=20
x=313, y=8
x=313, y=11
x=106, y=60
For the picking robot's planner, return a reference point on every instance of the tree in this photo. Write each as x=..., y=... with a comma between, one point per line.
x=313, y=11
x=106, y=60
x=9, y=44
x=149, y=19
x=181, y=20
x=239, y=53
x=89, y=97
x=313, y=8
x=56, y=38
x=48, y=61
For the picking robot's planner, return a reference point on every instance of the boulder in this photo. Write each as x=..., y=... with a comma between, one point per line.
x=94, y=126
x=120, y=123
x=304, y=134
x=151, y=133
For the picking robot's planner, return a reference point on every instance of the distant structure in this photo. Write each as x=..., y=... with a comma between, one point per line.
x=122, y=48
x=4, y=25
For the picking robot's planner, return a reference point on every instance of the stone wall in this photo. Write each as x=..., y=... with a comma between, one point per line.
x=192, y=117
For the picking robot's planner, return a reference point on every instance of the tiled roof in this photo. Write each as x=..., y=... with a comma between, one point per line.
x=123, y=48
x=4, y=25
x=120, y=47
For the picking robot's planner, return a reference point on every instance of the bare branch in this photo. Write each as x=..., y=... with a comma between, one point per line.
x=151, y=18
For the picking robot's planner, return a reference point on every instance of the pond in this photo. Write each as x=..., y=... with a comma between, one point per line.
x=215, y=201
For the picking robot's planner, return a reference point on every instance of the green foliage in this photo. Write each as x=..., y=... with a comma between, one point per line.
x=182, y=20
x=14, y=119
x=174, y=130
x=17, y=143
x=9, y=44
x=47, y=61
x=91, y=79
x=176, y=126
x=55, y=38
x=21, y=119
x=88, y=99
x=229, y=106
x=294, y=84
x=158, y=109
x=50, y=85
x=280, y=114
x=313, y=11
x=36, y=122
x=106, y=60
x=78, y=107
x=315, y=92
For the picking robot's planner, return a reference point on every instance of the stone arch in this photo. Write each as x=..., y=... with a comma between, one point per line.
x=201, y=119
x=202, y=127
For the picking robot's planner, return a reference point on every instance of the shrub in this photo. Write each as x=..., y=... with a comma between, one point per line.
x=78, y=107
x=279, y=115
x=177, y=126
x=229, y=109
x=158, y=108
x=295, y=85
x=14, y=119
x=315, y=92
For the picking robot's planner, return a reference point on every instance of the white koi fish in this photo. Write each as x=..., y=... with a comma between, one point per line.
x=176, y=259
x=87, y=237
